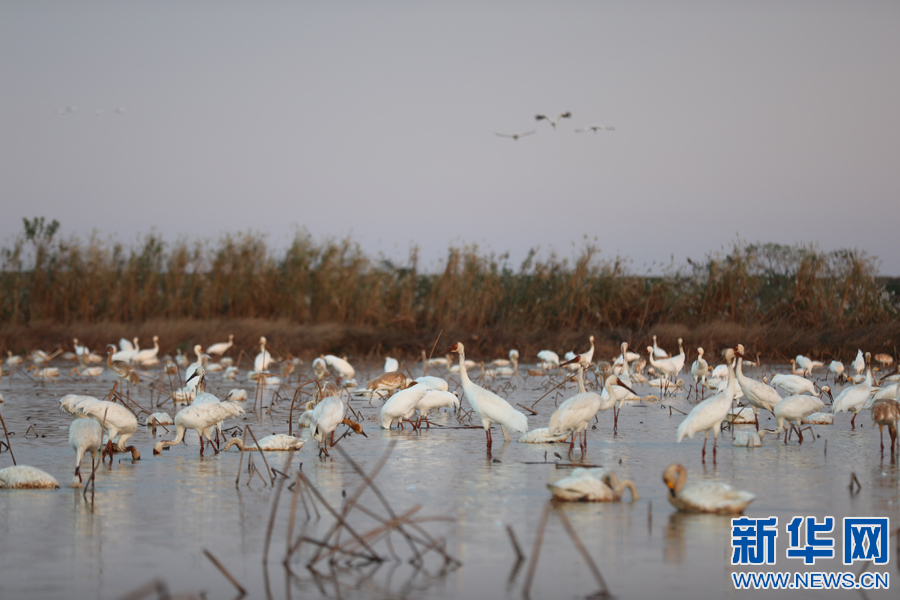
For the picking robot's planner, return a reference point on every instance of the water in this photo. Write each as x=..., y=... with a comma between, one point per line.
x=153, y=518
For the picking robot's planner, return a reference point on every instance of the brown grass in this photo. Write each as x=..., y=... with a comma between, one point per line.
x=317, y=297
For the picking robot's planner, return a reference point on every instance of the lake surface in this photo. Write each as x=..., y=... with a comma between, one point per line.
x=152, y=519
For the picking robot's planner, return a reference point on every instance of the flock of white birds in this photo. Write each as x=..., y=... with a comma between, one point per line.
x=734, y=398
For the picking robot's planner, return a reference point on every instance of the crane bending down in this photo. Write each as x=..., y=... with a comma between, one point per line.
x=488, y=405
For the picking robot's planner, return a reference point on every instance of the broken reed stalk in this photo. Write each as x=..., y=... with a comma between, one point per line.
x=262, y=454
x=371, y=484
x=583, y=551
x=351, y=502
x=157, y=585
x=433, y=346
x=515, y=544
x=225, y=572
x=334, y=513
x=8, y=445
x=563, y=382
x=534, y=412
x=291, y=516
x=536, y=550
x=237, y=480
x=287, y=466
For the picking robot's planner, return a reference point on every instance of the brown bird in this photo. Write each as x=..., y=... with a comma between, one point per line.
x=886, y=412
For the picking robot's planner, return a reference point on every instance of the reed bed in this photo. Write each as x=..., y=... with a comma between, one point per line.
x=319, y=296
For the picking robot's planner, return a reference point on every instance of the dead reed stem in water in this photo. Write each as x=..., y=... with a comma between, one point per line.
x=287, y=467
x=262, y=454
x=225, y=572
x=8, y=445
x=237, y=480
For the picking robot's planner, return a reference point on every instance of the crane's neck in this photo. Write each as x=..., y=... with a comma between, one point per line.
x=581, y=388
x=463, y=374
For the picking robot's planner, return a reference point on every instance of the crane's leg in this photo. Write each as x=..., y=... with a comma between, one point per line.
x=490, y=439
x=852, y=421
x=201, y=444
x=705, y=437
x=881, y=433
x=756, y=414
x=572, y=443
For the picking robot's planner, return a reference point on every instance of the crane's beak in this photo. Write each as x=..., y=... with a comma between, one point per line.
x=620, y=383
x=191, y=377
x=573, y=361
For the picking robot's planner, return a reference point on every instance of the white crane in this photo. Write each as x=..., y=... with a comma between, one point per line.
x=488, y=405
x=85, y=435
x=402, y=405
x=553, y=122
x=148, y=356
x=793, y=410
x=699, y=370
x=516, y=136
x=595, y=128
x=854, y=398
x=709, y=414
x=758, y=394
x=279, y=442
x=221, y=348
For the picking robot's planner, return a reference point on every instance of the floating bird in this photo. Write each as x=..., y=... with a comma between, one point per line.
x=854, y=398
x=236, y=395
x=705, y=497
x=516, y=136
x=542, y=435
x=279, y=442
x=749, y=439
x=391, y=364
x=25, y=477
x=592, y=485
x=488, y=405
x=886, y=412
x=709, y=414
x=595, y=128
x=553, y=122
x=222, y=347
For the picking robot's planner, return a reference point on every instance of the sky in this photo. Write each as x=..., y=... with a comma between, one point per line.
x=761, y=121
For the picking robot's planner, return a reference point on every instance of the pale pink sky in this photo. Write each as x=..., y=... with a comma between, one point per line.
x=768, y=121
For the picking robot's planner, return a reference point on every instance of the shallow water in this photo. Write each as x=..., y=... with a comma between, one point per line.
x=152, y=519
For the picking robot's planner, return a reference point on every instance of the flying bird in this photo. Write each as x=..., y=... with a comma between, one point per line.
x=595, y=128
x=516, y=136
x=553, y=122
